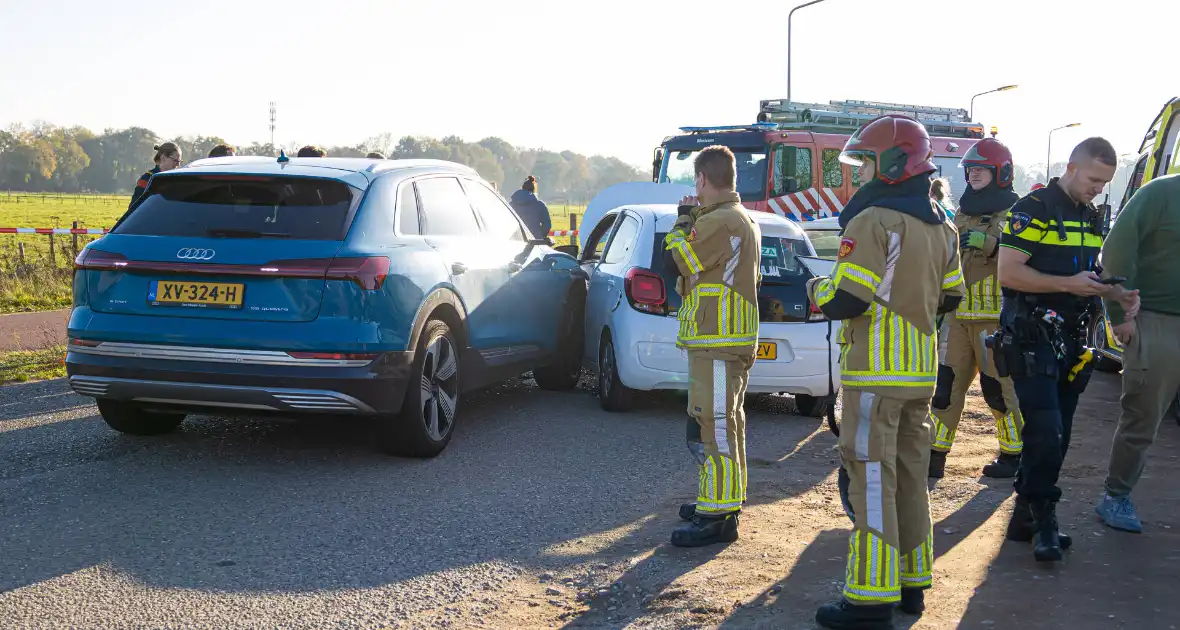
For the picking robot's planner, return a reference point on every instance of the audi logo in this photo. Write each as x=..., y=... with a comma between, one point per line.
x=192, y=253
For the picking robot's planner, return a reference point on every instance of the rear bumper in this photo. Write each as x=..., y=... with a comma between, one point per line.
x=251, y=385
x=648, y=358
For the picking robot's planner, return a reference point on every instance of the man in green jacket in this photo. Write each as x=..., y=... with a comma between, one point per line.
x=1141, y=247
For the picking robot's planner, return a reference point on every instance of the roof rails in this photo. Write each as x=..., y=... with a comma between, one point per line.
x=847, y=116
x=758, y=126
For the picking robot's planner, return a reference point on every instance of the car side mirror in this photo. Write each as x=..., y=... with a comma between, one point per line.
x=787, y=164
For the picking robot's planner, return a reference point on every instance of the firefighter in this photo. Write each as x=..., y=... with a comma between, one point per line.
x=980, y=221
x=716, y=248
x=897, y=271
x=167, y=158
x=1048, y=270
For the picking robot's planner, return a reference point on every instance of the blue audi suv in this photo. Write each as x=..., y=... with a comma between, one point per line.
x=381, y=289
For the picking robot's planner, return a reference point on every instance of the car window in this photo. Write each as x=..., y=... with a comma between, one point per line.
x=596, y=242
x=623, y=241
x=499, y=220
x=243, y=206
x=792, y=170
x=407, y=210
x=445, y=208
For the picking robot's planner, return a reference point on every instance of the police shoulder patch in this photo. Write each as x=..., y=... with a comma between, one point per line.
x=1018, y=222
x=847, y=244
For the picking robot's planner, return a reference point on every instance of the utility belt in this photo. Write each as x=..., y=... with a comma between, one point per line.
x=1037, y=340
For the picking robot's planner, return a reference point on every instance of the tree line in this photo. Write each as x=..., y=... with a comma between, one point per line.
x=47, y=158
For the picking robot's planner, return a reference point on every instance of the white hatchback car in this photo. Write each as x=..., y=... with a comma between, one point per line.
x=631, y=309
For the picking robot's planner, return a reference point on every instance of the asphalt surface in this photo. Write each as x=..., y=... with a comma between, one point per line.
x=233, y=523
x=33, y=331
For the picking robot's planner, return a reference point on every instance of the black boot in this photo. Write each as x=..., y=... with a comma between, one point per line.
x=706, y=530
x=1004, y=467
x=688, y=510
x=844, y=616
x=1021, y=527
x=913, y=602
x=1046, y=542
x=937, y=464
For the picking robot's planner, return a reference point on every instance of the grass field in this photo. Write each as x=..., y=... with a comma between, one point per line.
x=32, y=283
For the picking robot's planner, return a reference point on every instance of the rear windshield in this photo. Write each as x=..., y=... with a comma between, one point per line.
x=241, y=206
x=826, y=241
x=783, y=276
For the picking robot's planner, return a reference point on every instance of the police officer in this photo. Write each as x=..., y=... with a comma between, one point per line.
x=980, y=221
x=897, y=271
x=167, y=158
x=1049, y=274
x=716, y=248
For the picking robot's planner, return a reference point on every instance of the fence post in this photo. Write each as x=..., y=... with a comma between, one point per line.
x=20, y=248
x=52, y=254
x=573, y=220
x=75, y=235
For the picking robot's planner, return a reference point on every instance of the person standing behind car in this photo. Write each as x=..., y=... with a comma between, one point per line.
x=222, y=150
x=531, y=209
x=167, y=158
x=940, y=192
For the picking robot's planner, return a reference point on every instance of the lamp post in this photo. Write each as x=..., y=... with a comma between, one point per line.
x=971, y=115
x=789, y=16
x=1049, y=153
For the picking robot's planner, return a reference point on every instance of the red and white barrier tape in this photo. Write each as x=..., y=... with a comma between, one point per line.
x=563, y=232
x=10, y=230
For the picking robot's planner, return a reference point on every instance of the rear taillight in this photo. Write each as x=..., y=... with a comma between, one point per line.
x=645, y=291
x=98, y=260
x=368, y=273
x=814, y=314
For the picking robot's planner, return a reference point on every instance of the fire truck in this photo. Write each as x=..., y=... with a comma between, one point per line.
x=788, y=160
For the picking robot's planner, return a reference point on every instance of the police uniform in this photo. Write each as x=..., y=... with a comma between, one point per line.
x=965, y=355
x=1041, y=344
x=903, y=268
x=716, y=250
x=140, y=186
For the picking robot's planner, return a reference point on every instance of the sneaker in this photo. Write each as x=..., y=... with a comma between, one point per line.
x=1119, y=513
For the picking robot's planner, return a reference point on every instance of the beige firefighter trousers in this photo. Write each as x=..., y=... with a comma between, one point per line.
x=717, y=430
x=962, y=357
x=885, y=447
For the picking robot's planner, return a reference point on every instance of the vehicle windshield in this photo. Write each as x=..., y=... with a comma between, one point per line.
x=751, y=171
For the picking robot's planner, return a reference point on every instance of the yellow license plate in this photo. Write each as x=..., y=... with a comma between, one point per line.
x=198, y=294
x=767, y=351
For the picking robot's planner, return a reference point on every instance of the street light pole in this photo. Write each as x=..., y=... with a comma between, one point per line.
x=1049, y=153
x=789, y=16
x=971, y=115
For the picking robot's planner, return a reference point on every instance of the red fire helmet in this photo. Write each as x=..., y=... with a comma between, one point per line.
x=900, y=146
x=992, y=154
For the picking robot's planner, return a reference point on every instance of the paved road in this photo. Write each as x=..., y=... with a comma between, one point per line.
x=33, y=331
x=242, y=523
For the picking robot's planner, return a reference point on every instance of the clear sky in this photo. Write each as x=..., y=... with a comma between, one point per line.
x=610, y=76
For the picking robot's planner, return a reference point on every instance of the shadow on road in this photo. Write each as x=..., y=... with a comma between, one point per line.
x=238, y=505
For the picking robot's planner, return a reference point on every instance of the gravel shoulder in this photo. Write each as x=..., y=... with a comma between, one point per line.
x=544, y=512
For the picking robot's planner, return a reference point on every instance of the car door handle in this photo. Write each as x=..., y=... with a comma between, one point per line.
x=458, y=268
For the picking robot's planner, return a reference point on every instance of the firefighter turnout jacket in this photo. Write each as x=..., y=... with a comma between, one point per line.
x=980, y=266
x=891, y=346
x=717, y=252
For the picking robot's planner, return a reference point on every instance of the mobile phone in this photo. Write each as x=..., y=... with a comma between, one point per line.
x=1113, y=280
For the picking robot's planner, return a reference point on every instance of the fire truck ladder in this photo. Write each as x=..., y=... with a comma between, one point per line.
x=847, y=116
